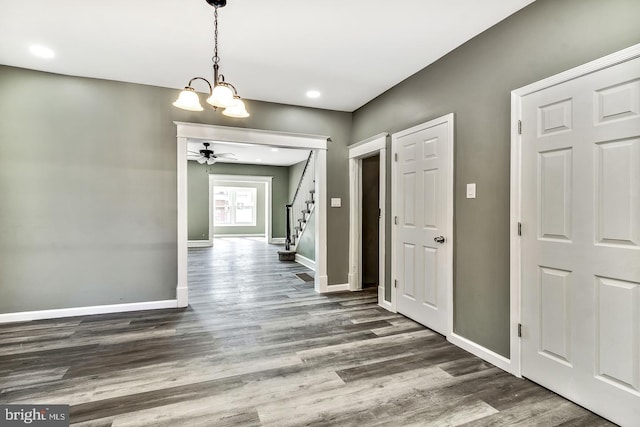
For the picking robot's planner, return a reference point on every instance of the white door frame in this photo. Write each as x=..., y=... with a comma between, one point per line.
x=516, y=181
x=449, y=120
x=197, y=131
x=251, y=179
x=361, y=150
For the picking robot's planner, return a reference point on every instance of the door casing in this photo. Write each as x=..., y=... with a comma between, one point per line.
x=515, y=366
x=361, y=150
x=449, y=120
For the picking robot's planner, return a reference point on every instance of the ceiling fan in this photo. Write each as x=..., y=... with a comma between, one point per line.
x=208, y=156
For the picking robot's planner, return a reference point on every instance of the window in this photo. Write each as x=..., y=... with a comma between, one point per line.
x=234, y=206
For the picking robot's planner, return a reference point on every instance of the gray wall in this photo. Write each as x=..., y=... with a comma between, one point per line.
x=295, y=173
x=88, y=183
x=306, y=246
x=475, y=82
x=198, y=202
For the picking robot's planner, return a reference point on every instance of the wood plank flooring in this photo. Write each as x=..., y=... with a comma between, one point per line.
x=258, y=346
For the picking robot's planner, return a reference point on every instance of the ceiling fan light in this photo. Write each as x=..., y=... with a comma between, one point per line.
x=221, y=96
x=202, y=160
x=236, y=110
x=188, y=100
x=211, y=161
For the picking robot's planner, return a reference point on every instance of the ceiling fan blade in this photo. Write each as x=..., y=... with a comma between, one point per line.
x=193, y=152
x=224, y=155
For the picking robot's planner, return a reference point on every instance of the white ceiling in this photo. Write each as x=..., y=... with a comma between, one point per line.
x=349, y=50
x=251, y=154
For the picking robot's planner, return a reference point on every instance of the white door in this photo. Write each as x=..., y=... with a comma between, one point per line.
x=422, y=185
x=581, y=240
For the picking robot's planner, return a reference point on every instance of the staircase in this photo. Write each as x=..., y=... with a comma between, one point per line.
x=300, y=209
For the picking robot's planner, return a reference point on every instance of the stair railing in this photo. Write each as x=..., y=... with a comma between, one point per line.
x=300, y=206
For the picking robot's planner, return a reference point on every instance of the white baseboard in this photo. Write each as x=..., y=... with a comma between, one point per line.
x=309, y=263
x=480, y=351
x=381, y=302
x=26, y=316
x=278, y=240
x=182, y=296
x=351, y=277
x=200, y=243
x=338, y=288
x=321, y=284
x=218, y=236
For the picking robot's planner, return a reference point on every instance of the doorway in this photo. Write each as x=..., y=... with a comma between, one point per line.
x=423, y=223
x=576, y=234
x=370, y=221
x=369, y=154
x=255, y=215
x=194, y=131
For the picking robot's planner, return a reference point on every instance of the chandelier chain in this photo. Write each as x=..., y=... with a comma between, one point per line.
x=215, y=58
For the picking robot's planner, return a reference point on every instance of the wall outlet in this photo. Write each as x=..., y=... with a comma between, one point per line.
x=471, y=191
x=336, y=202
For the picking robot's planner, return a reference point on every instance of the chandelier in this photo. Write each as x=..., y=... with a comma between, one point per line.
x=222, y=94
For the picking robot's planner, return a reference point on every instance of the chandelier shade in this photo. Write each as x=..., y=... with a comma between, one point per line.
x=188, y=100
x=221, y=94
x=237, y=109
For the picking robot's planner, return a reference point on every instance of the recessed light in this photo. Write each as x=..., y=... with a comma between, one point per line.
x=313, y=94
x=41, y=51
x=275, y=150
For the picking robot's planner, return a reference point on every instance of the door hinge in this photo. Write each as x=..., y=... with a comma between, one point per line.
x=395, y=283
x=519, y=330
x=395, y=157
x=519, y=229
x=395, y=220
x=519, y=127
x=379, y=213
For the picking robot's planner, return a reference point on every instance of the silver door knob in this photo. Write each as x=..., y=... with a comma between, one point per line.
x=439, y=239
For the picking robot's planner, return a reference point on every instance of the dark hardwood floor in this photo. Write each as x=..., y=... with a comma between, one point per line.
x=258, y=346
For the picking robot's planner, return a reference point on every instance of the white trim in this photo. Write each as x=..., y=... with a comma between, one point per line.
x=278, y=240
x=309, y=263
x=26, y=316
x=514, y=240
x=183, y=228
x=321, y=281
x=616, y=58
x=381, y=301
x=269, y=138
x=449, y=120
x=361, y=150
x=197, y=131
x=368, y=147
x=200, y=243
x=480, y=351
x=251, y=179
x=222, y=236
x=337, y=288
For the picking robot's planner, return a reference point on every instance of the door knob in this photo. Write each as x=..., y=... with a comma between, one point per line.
x=439, y=239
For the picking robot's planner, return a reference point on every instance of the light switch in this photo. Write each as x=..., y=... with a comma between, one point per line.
x=336, y=202
x=471, y=191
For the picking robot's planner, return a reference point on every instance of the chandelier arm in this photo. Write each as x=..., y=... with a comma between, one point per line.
x=223, y=83
x=205, y=80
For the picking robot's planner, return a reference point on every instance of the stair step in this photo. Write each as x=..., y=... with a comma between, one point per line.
x=312, y=191
x=302, y=220
x=309, y=202
x=306, y=211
